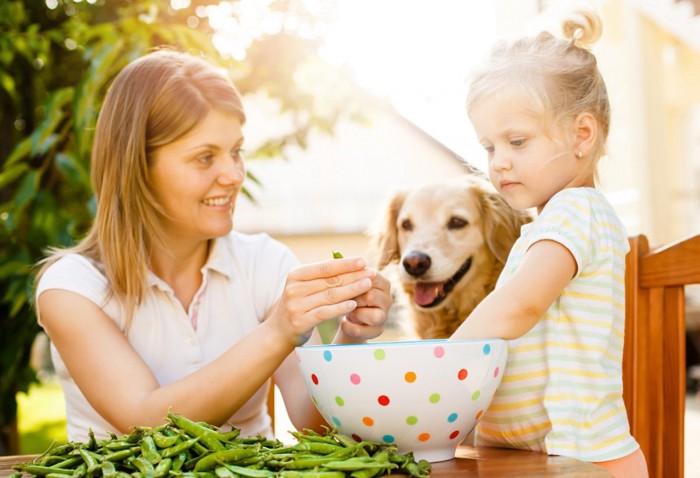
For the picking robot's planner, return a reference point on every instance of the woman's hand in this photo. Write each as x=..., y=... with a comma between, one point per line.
x=367, y=320
x=325, y=290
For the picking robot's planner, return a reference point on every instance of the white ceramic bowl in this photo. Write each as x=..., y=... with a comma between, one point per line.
x=424, y=396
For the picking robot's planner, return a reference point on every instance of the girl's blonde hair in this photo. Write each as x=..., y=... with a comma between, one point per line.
x=153, y=101
x=559, y=77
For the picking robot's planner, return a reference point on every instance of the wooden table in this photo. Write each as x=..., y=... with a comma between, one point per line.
x=470, y=461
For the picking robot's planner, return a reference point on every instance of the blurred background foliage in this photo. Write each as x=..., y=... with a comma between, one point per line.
x=57, y=57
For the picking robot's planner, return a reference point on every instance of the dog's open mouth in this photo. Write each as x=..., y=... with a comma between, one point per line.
x=430, y=294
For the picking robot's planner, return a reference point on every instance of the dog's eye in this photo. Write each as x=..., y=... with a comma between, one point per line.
x=407, y=225
x=457, y=223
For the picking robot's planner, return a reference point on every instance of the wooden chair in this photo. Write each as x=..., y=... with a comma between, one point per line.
x=654, y=355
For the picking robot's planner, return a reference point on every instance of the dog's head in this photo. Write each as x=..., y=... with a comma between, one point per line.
x=447, y=237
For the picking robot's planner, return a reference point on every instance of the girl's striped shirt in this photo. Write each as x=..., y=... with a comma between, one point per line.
x=561, y=392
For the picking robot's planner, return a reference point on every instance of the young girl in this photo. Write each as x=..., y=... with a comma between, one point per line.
x=163, y=305
x=540, y=109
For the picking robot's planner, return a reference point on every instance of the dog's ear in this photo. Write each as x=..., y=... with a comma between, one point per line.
x=502, y=223
x=387, y=242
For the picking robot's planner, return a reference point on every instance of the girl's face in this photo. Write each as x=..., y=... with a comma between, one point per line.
x=197, y=177
x=527, y=164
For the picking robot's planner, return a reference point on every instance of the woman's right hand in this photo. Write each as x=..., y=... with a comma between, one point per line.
x=318, y=292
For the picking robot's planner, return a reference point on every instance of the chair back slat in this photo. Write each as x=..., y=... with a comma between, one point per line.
x=654, y=355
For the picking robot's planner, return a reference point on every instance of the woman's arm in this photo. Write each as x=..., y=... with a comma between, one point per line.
x=514, y=308
x=121, y=387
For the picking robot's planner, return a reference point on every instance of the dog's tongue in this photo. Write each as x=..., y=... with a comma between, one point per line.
x=425, y=293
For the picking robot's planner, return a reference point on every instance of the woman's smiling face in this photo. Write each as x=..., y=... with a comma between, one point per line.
x=196, y=178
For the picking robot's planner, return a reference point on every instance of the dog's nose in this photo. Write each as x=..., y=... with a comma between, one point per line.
x=416, y=263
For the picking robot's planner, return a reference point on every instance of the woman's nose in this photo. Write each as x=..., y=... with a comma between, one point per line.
x=232, y=171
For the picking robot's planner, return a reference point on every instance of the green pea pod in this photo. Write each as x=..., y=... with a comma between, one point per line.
x=120, y=455
x=42, y=470
x=250, y=472
x=108, y=468
x=337, y=255
x=163, y=468
x=178, y=461
x=149, y=450
x=318, y=447
x=311, y=474
x=70, y=462
x=206, y=435
x=232, y=455
x=91, y=460
x=144, y=467
x=176, y=449
x=165, y=441
x=223, y=472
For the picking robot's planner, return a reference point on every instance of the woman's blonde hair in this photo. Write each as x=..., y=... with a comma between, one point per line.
x=153, y=101
x=559, y=77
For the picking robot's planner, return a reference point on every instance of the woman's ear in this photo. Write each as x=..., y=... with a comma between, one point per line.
x=586, y=133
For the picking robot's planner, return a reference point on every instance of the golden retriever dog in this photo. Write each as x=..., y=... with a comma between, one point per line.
x=450, y=241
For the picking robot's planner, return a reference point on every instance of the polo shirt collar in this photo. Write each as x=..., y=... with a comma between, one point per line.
x=220, y=260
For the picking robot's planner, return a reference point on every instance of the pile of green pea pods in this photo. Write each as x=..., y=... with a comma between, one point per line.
x=188, y=449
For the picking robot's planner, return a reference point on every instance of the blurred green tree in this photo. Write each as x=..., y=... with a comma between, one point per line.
x=56, y=59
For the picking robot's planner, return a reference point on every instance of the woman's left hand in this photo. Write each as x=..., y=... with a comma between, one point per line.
x=367, y=320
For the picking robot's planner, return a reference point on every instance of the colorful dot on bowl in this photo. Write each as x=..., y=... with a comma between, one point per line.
x=439, y=351
x=368, y=421
x=314, y=378
x=339, y=400
x=383, y=400
x=410, y=377
x=487, y=349
x=388, y=439
x=495, y=372
x=462, y=374
x=355, y=379
x=379, y=354
x=327, y=355
x=478, y=415
x=454, y=434
x=336, y=420
x=452, y=417
x=475, y=395
x=424, y=437
x=411, y=420
x=356, y=437
x=434, y=398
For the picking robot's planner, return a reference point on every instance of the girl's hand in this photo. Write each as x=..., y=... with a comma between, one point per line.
x=325, y=290
x=367, y=320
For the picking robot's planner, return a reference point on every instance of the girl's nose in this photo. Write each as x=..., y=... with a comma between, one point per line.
x=499, y=161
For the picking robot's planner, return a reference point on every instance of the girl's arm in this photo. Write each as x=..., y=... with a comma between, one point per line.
x=514, y=308
x=121, y=387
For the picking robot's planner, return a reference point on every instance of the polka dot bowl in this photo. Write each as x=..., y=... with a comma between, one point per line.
x=423, y=396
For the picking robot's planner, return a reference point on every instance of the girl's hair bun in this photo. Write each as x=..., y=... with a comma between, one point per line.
x=582, y=27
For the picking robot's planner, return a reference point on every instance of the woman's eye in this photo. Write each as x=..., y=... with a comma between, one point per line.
x=489, y=149
x=237, y=153
x=205, y=158
x=517, y=142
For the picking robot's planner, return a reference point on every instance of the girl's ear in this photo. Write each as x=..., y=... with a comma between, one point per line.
x=586, y=133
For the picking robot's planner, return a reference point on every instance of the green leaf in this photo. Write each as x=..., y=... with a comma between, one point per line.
x=70, y=167
x=42, y=136
x=20, y=151
x=7, y=83
x=27, y=189
x=9, y=174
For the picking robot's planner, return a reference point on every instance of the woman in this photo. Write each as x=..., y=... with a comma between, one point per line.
x=163, y=306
